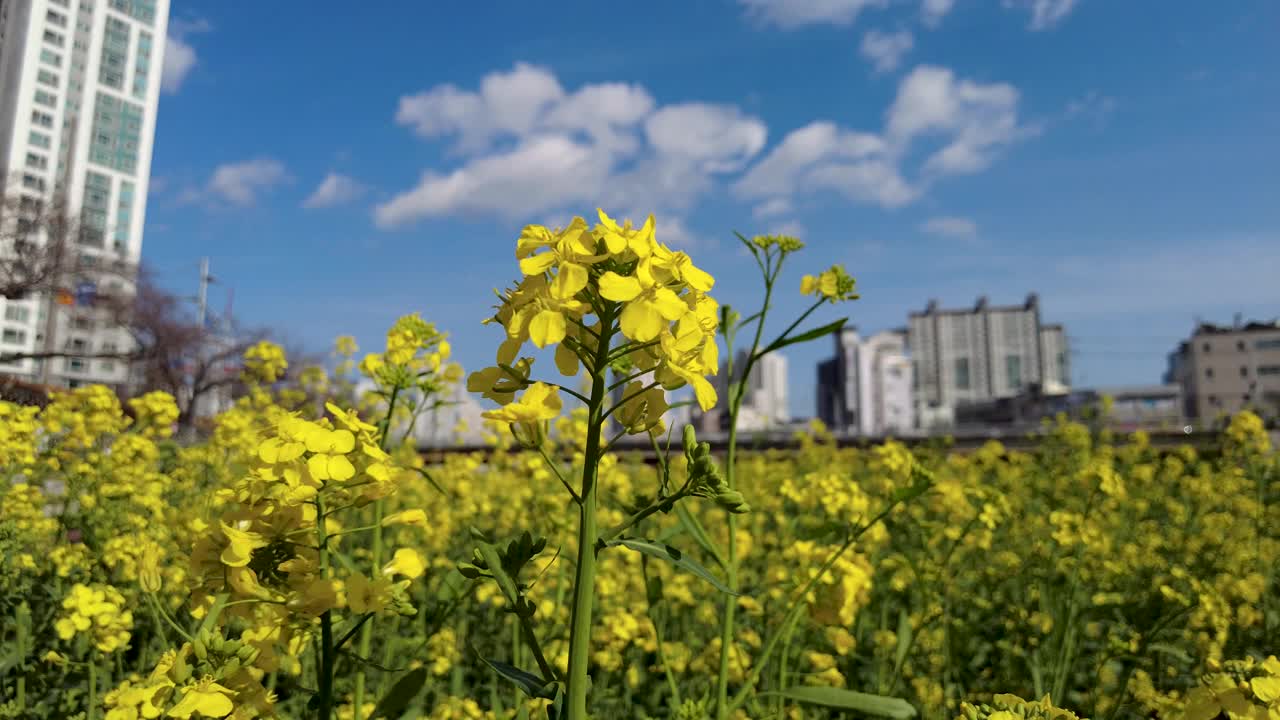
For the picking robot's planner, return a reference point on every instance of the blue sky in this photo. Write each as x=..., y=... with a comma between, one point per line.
x=341, y=168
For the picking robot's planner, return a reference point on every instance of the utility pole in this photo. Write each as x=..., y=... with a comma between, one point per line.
x=203, y=297
x=202, y=309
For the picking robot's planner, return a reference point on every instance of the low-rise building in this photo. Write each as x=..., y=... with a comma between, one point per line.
x=1224, y=369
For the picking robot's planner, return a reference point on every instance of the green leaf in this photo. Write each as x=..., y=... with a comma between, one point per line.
x=904, y=639
x=865, y=703
x=532, y=685
x=813, y=334
x=505, y=583
x=396, y=701
x=699, y=534
x=674, y=556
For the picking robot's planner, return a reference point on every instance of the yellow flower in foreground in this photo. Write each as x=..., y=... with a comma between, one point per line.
x=240, y=547
x=207, y=698
x=1204, y=703
x=367, y=596
x=539, y=402
x=406, y=562
x=415, y=517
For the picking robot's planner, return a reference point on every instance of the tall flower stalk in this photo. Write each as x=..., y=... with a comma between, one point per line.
x=609, y=298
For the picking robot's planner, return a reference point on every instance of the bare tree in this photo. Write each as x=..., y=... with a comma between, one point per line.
x=35, y=246
x=174, y=353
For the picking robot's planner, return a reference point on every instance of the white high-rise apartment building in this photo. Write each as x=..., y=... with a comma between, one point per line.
x=764, y=402
x=79, y=91
x=866, y=388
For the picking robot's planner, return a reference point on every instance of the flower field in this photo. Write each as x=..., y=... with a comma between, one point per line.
x=303, y=562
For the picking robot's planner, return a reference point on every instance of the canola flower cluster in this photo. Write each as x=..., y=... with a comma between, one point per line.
x=304, y=561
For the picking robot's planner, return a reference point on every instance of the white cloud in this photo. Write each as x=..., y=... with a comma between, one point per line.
x=790, y=14
x=529, y=147
x=957, y=227
x=790, y=227
x=932, y=11
x=772, y=208
x=335, y=189
x=1044, y=13
x=886, y=50
x=714, y=138
x=1092, y=106
x=179, y=55
x=971, y=121
x=241, y=183
x=979, y=119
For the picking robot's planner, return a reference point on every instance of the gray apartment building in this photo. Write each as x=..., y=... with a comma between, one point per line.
x=982, y=353
x=1224, y=369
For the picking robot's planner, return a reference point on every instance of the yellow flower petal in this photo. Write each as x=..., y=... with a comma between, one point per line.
x=1266, y=689
x=547, y=328
x=340, y=468
x=641, y=321
x=537, y=264
x=569, y=281
x=618, y=288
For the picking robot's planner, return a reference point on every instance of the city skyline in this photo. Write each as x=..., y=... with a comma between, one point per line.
x=1082, y=183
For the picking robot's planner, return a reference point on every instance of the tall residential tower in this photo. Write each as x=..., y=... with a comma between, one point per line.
x=79, y=91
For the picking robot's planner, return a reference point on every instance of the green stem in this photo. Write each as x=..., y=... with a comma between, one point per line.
x=588, y=534
x=24, y=621
x=325, y=679
x=92, y=713
x=379, y=508
x=728, y=617
x=782, y=665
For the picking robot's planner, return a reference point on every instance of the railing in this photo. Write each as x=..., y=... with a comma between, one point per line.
x=785, y=440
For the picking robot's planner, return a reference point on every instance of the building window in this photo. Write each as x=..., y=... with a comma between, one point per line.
x=1213, y=400
x=42, y=119
x=56, y=18
x=1064, y=373
x=75, y=364
x=47, y=77
x=1207, y=346
x=13, y=336
x=1013, y=370
x=16, y=313
x=38, y=162
x=1244, y=371
x=33, y=182
x=107, y=366
x=38, y=139
x=1268, y=344
x=962, y=374
x=1208, y=373
x=1269, y=370
x=53, y=38
x=46, y=98
x=51, y=57
x=82, y=323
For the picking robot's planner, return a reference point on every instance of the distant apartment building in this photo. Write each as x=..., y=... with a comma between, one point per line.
x=1224, y=369
x=865, y=389
x=79, y=91
x=982, y=353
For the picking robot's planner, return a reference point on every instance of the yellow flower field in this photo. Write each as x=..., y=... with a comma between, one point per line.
x=303, y=562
